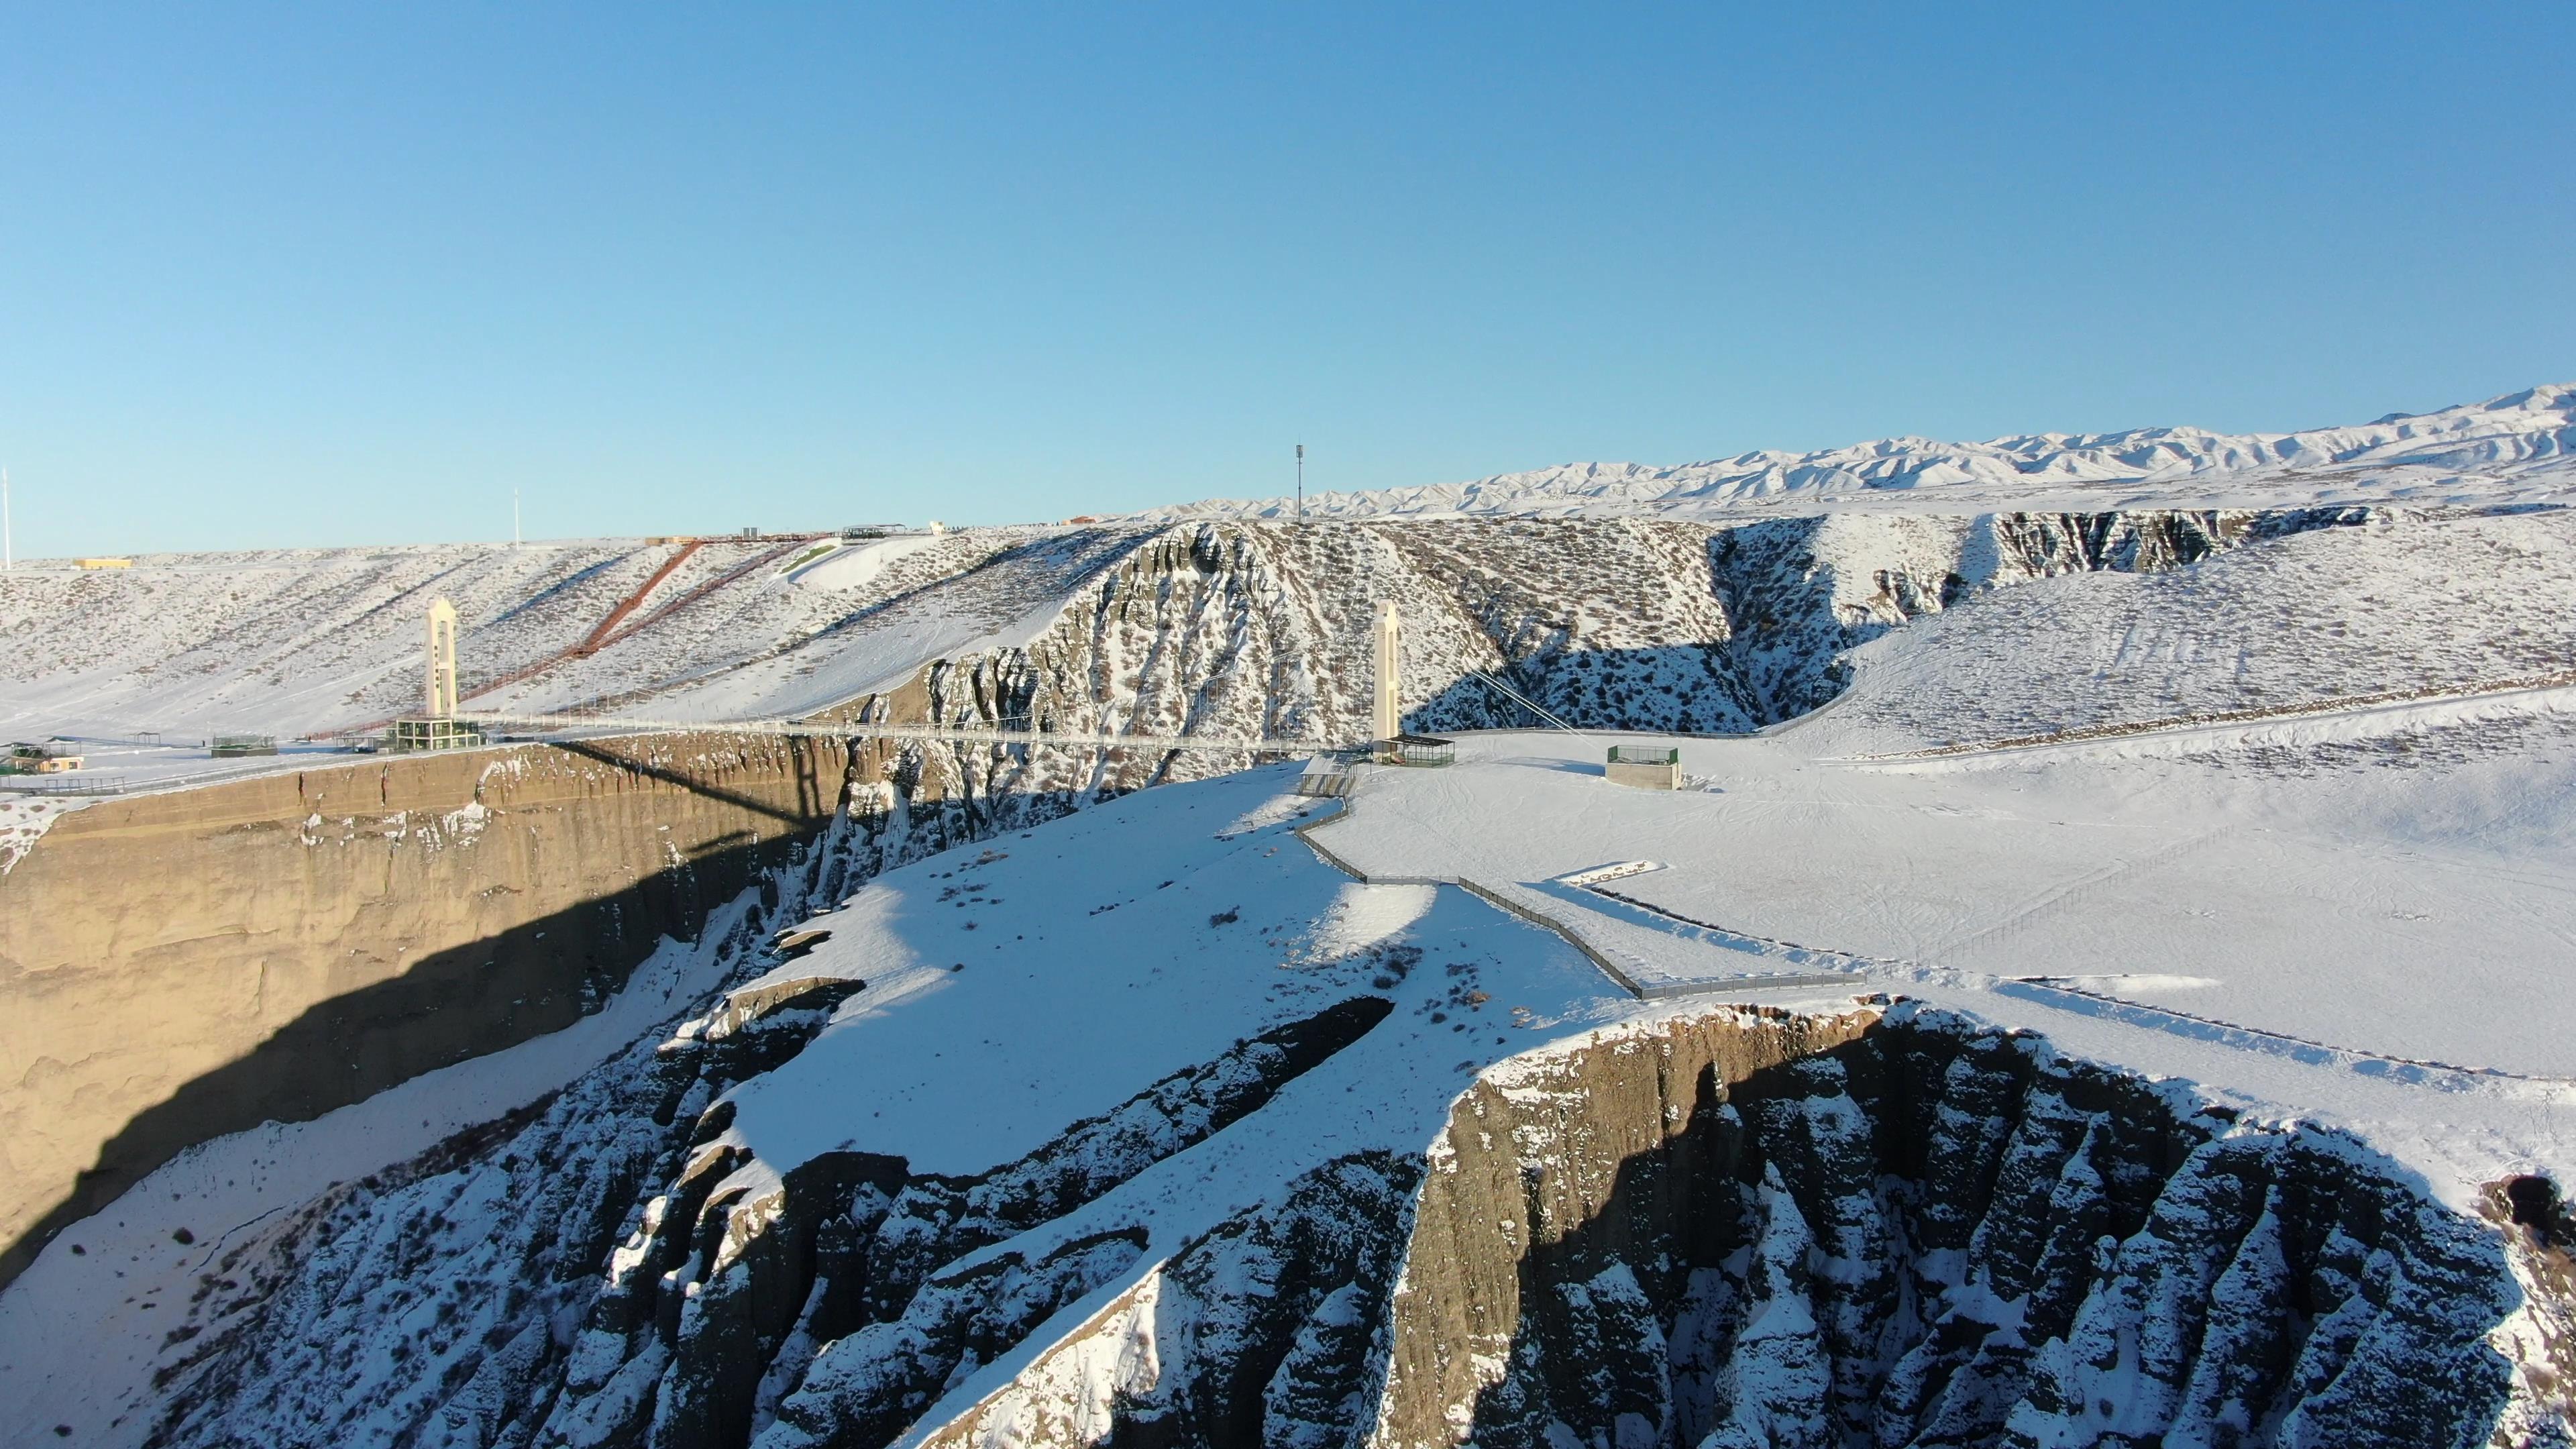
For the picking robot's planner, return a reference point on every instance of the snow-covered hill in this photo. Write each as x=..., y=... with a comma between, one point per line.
x=1240, y=628
x=312, y=642
x=2521, y=446
x=2102, y=989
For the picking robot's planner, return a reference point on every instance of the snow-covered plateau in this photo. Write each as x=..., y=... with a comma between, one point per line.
x=2101, y=981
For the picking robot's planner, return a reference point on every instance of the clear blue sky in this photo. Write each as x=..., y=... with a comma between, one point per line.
x=317, y=275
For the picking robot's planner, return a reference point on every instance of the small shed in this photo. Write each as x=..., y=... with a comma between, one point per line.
x=1647, y=767
x=50, y=758
x=1418, y=750
x=234, y=747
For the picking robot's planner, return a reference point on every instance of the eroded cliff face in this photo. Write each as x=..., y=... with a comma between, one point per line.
x=1736, y=1227
x=1750, y=1228
x=1930, y=1235
x=174, y=967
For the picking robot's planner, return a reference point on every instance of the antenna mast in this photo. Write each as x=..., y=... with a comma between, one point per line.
x=1301, y=482
x=8, y=544
x=514, y=518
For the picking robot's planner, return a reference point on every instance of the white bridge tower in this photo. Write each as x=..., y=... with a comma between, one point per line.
x=442, y=660
x=1386, y=718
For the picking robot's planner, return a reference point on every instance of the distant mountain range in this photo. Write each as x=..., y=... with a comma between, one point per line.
x=2511, y=448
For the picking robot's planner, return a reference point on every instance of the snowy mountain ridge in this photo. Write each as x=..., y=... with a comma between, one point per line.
x=2514, y=447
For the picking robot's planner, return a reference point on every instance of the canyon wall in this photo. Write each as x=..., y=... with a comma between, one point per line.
x=174, y=967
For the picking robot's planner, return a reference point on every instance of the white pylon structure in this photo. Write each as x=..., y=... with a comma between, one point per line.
x=442, y=659
x=1386, y=719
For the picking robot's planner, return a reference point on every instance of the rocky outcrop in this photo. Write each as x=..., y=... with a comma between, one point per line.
x=1929, y=1235
x=1267, y=1330
x=442, y=1301
x=682, y=1292
x=842, y=1313
x=1744, y=1227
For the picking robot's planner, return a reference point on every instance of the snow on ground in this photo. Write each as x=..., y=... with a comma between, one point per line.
x=2366, y=919
x=284, y=641
x=2313, y=907
x=2379, y=947
x=2409, y=608
x=83, y=1328
x=1046, y=978
x=2272, y=937
x=2511, y=448
x=23, y=821
x=856, y=565
x=307, y=642
x=790, y=648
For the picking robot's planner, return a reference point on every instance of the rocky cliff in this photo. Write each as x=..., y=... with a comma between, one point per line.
x=1733, y=1228
x=1926, y=1235
x=175, y=967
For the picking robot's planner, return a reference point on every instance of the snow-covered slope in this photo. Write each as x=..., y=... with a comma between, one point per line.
x=1152, y=1123
x=2418, y=609
x=2515, y=447
x=311, y=642
x=1239, y=628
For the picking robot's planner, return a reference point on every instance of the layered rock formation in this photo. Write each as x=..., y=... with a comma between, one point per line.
x=175, y=967
x=1928, y=1235
x=1735, y=1228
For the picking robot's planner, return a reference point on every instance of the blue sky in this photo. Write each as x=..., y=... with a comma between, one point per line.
x=349, y=274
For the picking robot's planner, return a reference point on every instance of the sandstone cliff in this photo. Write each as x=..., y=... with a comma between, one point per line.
x=174, y=967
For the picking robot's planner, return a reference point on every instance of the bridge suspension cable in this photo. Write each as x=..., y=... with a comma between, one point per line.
x=883, y=730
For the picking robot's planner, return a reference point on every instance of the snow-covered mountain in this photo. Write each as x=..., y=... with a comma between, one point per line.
x=2518, y=446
